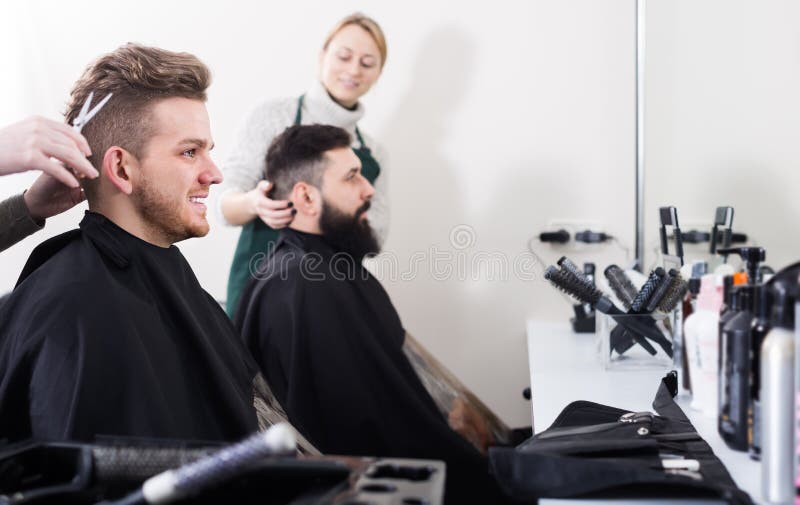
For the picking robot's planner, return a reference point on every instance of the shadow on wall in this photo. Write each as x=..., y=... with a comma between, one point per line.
x=429, y=214
x=425, y=198
x=424, y=194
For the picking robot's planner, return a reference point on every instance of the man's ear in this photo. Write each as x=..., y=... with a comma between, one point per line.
x=306, y=199
x=118, y=166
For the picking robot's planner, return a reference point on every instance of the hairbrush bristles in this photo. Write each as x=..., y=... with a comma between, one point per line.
x=640, y=302
x=621, y=285
x=661, y=290
x=675, y=294
x=571, y=267
x=580, y=289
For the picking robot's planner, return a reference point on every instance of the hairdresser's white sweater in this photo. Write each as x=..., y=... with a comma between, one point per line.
x=246, y=165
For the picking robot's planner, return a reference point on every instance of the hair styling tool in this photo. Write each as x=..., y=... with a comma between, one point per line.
x=574, y=283
x=572, y=268
x=189, y=479
x=669, y=217
x=677, y=291
x=657, y=284
x=85, y=114
x=621, y=285
x=722, y=217
x=654, y=280
x=661, y=290
x=621, y=339
x=585, y=317
x=83, y=117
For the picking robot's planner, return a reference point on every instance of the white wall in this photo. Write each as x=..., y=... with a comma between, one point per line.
x=498, y=118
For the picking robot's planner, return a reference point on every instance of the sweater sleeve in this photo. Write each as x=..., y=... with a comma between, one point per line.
x=246, y=164
x=16, y=222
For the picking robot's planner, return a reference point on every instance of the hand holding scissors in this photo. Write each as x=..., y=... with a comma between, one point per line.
x=42, y=144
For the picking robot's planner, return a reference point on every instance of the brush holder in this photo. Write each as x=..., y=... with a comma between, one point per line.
x=637, y=341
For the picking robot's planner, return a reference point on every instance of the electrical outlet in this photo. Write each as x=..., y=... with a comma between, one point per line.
x=573, y=226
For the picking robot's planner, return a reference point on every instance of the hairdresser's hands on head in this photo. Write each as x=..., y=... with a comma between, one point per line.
x=31, y=143
x=276, y=214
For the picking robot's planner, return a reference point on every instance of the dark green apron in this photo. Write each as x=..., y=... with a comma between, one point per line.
x=257, y=239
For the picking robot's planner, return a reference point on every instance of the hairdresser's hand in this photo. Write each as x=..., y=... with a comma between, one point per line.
x=31, y=143
x=48, y=197
x=276, y=214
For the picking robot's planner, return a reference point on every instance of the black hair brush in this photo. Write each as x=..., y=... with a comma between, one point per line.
x=571, y=281
x=648, y=298
x=621, y=285
x=580, y=288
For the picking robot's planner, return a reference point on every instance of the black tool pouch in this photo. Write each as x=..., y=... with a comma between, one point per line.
x=594, y=450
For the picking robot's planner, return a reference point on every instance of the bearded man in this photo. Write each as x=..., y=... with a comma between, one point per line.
x=329, y=340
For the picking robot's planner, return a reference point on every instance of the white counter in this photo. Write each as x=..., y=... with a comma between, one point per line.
x=565, y=367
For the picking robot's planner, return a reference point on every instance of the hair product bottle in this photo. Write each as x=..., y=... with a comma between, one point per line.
x=724, y=316
x=730, y=285
x=777, y=401
x=733, y=410
x=694, y=272
x=761, y=325
x=797, y=400
x=701, y=340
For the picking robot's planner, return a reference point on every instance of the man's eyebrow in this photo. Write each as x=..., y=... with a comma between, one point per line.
x=352, y=170
x=202, y=143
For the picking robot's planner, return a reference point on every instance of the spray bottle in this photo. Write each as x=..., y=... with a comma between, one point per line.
x=777, y=393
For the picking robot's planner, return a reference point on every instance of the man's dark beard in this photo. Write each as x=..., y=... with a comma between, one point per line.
x=348, y=234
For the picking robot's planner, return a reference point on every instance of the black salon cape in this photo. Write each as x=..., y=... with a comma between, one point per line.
x=108, y=335
x=329, y=343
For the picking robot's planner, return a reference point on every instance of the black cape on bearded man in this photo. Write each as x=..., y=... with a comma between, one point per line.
x=329, y=342
x=108, y=335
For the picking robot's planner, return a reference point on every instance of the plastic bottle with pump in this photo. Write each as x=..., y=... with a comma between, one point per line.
x=761, y=325
x=736, y=333
x=753, y=257
x=736, y=357
x=731, y=284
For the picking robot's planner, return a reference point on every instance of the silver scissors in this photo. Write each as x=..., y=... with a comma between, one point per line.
x=85, y=114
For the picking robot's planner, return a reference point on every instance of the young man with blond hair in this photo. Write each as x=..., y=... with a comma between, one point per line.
x=108, y=331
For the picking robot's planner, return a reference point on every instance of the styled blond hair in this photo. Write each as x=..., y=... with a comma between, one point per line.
x=368, y=24
x=139, y=77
